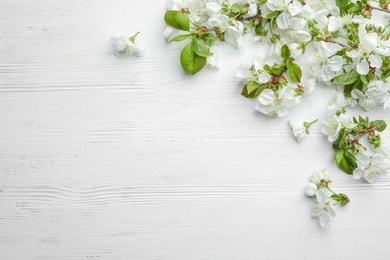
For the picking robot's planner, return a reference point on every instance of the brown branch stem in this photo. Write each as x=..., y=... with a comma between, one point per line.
x=380, y=9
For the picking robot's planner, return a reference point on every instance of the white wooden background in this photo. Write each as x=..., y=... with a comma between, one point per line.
x=102, y=158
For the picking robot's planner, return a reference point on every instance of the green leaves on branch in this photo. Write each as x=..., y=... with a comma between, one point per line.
x=239, y=8
x=181, y=37
x=177, y=20
x=380, y=125
x=271, y=14
x=351, y=80
x=342, y=5
x=348, y=143
x=285, y=52
x=347, y=78
x=384, y=3
x=190, y=60
x=193, y=56
x=345, y=160
x=294, y=72
x=253, y=89
x=200, y=48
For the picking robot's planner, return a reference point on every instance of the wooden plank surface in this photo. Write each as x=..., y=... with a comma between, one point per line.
x=102, y=158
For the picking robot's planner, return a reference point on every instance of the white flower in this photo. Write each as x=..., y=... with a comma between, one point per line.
x=375, y=91
x=308, y=86
x=283, y=20
x=338, y=22
x=365, y=101
x=370, y=167
x=212, y=61
x=322, y=209
x=213, y=8
x=125, y=46
x=295, y=8
x=331, y=127
x=325, y=64
x=253, y=71
x=277, y=103
x=319, y=176
x=300, y=129
x=219, y=23
x=252, y=10
x=311, y=189
x=366, y=52
x=318, y=5
x=337, y=104
x=278, y=5
x=333, y=124
x=233, y=34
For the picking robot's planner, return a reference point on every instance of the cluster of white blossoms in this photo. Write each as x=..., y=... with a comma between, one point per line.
x=346, y=133
x=325, y=198
x=344, y=47
x=338, y=43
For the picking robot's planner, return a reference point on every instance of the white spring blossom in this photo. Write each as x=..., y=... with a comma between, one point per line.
x=277, y=104
x=371, y=167
x=374, y=93
x=366, y=55
x=320, y=175
x=325, y=65
x=124, y=46
x=300, y=129
x=317, y=178
x=337, y=104
x=253, y=71
x=234, y=34
x=323, y=209
x=331, y=125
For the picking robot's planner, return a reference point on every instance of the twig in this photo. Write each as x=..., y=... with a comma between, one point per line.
x=380, y=9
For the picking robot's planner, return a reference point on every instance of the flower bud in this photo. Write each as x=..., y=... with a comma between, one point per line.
x=324, y=183
x=341, y=198
x=370, y=27
x=380, y=29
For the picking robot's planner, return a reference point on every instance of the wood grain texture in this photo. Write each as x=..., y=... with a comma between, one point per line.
x=102, y=158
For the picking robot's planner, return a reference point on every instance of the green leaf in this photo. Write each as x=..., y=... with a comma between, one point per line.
x=348, y=88
x=285, y=52
x=209, y=38
x=177, y=20
x=339, y=143
x=271, y=14
x=295, y=72
x=237, y=7
x=363, y=79
x=200, y=48
x=181, y=37
x=259, y=29
x=190, y=61
x=383, y=3
x=347, y=78
x=345, y=161
x=380, y=124
x=277, y=68
x=267, y=69
x=252, y=89
x=342, y=4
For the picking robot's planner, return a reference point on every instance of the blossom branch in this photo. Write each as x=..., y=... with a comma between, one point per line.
x=339, y=43
x=380, y=9
x=363, y=133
